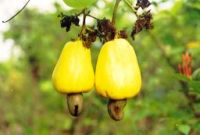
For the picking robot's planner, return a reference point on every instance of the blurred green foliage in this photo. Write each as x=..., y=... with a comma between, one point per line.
x=31, y=106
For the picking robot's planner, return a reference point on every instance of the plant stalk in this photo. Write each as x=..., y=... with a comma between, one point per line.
x=115, y=10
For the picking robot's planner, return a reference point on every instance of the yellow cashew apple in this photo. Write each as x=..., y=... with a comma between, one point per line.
x=73, y=72
x=117, y=72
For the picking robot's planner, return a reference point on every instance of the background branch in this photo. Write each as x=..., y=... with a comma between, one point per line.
x=184, y=85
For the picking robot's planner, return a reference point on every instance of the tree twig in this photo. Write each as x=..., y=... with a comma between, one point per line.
x=17, y=12
x=84, y=20
x=130, y=6
x=93, y=17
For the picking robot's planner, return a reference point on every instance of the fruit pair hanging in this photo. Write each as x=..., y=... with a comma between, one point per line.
x=117, y=75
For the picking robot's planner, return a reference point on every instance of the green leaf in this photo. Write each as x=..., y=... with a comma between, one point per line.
x=185, y=129
x=194, y=5
x=196, y=75
x=195, y=85
x=79, y=3
x=181, y=77
x=73, y=11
